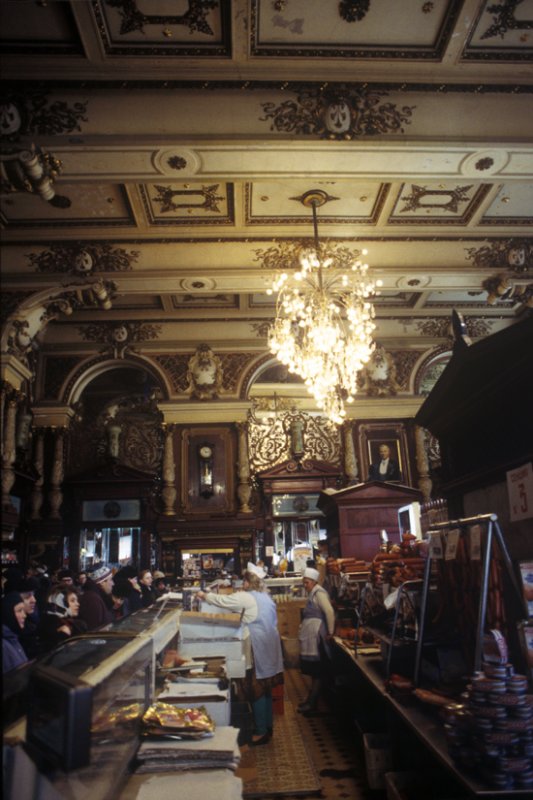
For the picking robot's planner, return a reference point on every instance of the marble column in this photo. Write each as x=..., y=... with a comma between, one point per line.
x=55, y=495
x=168, y=493
x=244, y=488
x=425, y=484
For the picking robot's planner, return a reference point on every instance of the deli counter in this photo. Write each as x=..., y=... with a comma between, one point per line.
x=72, y=717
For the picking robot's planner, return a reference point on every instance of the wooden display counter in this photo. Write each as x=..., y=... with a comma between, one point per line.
x=423, y=722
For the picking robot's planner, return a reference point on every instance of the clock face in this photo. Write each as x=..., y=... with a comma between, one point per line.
x=206, y=451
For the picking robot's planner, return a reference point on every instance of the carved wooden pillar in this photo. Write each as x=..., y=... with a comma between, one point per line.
x=168, y=493
x=23, y=429
x=55, y=495
x=244, y=488
x=350, y=460
x=425, y=484
x=9, y=451
x=38, y=462
x=4, y=389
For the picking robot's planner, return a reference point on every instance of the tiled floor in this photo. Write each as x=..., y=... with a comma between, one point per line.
x=333, y=746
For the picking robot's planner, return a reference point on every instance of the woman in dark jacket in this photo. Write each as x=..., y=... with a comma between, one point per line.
x=126, y=585
x=13, y=619
x=145, y=582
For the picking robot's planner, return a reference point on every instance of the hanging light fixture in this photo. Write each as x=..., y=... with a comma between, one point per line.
x=324, y=319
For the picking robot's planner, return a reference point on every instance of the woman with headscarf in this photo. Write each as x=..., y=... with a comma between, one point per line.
x=264, y=659
x=60, y=620
x=13, y=619
x=145, y=582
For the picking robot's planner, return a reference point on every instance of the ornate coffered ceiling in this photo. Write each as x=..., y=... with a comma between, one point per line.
x=162, y=153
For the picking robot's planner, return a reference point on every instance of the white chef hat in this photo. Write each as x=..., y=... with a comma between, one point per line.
x=259, y=571
x=311, y=573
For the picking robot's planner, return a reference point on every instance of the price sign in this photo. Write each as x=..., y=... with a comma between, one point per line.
x=520, y=490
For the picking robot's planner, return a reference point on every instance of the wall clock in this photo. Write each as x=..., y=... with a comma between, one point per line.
x=205, y=455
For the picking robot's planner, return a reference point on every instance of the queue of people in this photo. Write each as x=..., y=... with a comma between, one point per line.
x=40, y=611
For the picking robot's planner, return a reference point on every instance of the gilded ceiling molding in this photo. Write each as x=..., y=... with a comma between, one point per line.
x=504, y=19
x=353, y=10
x=515, y=255
x=119, y=337
x=419, y=194
x=387, y=373
x=26, y=111
x=204, y=374
x=83, y=258
x=378, y=378
x=19, y=335
x=167, y=195
x=340, y=112
x=441, y=327
x=133, y=19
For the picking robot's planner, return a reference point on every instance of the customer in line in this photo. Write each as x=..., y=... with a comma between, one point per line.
x=29, y=636
x=13, y=619
x=60, y=620
x=315, y=633
x=264, y=658
x=146, y=580
x=96, y=605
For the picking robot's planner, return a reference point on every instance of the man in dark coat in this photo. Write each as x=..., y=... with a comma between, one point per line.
x=386, y=469
x=96, y=604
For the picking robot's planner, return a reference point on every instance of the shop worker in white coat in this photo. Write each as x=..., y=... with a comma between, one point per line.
x=264, y=660
x=316, y=630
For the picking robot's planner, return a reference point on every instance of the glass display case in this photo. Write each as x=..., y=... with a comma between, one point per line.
x=107, y=675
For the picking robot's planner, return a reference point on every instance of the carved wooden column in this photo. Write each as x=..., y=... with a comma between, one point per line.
x=36, y=499
x=55, y=495
x=425, y=484
x=24, y=420
x=244, y=488
x=168, y=492
x=350, y=460
x=4, y=390
x=9, y=450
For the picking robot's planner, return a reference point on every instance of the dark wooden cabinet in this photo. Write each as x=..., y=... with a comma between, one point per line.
x=357, y=514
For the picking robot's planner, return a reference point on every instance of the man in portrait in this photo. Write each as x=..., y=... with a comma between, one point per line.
x=385, y=468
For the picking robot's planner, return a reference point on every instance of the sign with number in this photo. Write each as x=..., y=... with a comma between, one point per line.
x=520, y=490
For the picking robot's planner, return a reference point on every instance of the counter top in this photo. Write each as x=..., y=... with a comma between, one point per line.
x=424, y=723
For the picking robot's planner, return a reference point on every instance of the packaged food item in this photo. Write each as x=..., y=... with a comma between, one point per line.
x=166, y=718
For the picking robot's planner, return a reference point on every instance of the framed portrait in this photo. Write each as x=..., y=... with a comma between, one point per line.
x=384, y=453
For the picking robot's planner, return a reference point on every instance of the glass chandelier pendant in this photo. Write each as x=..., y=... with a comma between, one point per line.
x=324, y=319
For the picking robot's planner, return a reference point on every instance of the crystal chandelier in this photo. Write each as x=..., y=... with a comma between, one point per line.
x=324, y=319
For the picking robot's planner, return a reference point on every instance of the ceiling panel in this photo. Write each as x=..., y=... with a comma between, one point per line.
x=188, y=133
